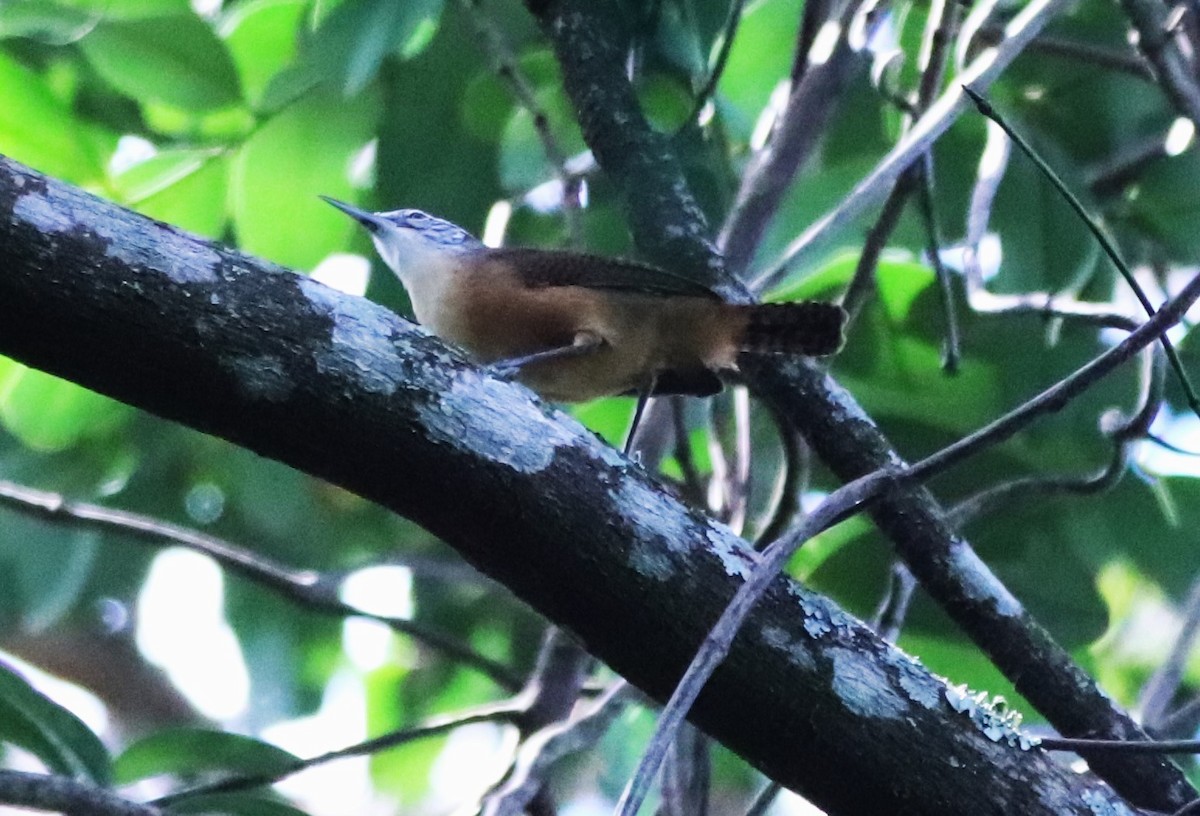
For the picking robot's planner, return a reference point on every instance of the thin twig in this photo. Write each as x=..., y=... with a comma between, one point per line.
x=1164, y=444
x=692, y=479
x=435, y=726
x=718, y=499
x=1160, y=689
x=1090, y=55
x=1121, y=746
x=509, y=70
x=313, y=589
x=729, y=32
x=548, y=746
x=889, y=616
x=853, y=497
x=981, y=73
x=991, y=499
x=766, y=797
x=1100, y=235
x=1174, y=72
x=862, y=283
x=793, y=475
x=933, y=242
x=739, y=474
x=1045, y=304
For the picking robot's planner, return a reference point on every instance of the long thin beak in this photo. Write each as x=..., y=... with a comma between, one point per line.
x=368, y=219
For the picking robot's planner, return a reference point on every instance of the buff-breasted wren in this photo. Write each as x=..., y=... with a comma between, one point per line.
x=573, y=326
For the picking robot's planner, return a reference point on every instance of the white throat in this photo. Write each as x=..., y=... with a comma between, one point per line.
x=427, y=269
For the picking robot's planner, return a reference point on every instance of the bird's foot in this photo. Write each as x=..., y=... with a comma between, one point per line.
x=503, y=371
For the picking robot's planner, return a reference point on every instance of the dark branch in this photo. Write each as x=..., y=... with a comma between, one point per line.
x=347, y=391
x=312, y=589
x=589, y=39
x=67, y=796
x=841, y=434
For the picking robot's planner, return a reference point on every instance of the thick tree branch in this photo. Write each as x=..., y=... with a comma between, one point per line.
x=842, y=435
x=345, y=390
x=950, y=571
x=67, y=796
x=668, y=225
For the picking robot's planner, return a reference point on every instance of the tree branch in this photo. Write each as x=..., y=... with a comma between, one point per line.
x=67, y=796
x=347, y=391
x=668, y=225
x=312, y=589
x=840, y=432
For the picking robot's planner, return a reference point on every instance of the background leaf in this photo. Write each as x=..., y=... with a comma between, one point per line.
x=54, y=735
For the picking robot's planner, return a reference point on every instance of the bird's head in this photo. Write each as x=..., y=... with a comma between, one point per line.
x=407, y=239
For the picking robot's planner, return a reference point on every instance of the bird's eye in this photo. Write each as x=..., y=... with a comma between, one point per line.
x=417, y=216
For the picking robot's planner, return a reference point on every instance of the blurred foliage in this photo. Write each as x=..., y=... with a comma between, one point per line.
x=230, y=120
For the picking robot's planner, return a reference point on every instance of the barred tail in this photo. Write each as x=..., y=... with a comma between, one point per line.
x=811, y=328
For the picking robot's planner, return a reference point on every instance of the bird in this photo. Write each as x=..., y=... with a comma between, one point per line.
x=574, y=326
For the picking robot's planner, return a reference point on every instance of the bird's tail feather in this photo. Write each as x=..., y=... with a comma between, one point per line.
x=811, y=328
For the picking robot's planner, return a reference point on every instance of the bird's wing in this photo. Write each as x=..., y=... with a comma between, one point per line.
x=546, y=267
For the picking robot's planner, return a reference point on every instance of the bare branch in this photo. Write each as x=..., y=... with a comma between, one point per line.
x=67, y=796
x=312, y=589
x=770, y=174
x=543, y=749
x=1160, y=690
x=1175, y=74
x=510, y=71
x=893, y=607
x=982, y=71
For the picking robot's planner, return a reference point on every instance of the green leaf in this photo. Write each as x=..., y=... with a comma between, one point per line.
x=39, y=129
x=894, y=368
x=36, y=19
x=52, y=569
x=760, y=57
x=190, y=751
x=177, y=60
x=305, y=151
x=187, y=188
x=402, y=771
x=352, y=42
x=31, y=720
x=1165, y=206
x=261, y=37
x=523, y=161
x=128, y=9
x=809, y=558
x=607, y=417
x=47, y=413
x=667, y=104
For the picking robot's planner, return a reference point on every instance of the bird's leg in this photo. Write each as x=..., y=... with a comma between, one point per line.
x=643, y=396
x=585, y=343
